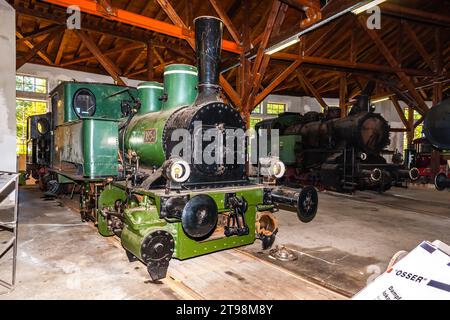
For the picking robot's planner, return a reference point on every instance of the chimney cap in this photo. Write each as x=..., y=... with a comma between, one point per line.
x=208, y=17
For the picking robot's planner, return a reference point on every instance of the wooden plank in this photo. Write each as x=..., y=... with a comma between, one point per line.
x=106, y=63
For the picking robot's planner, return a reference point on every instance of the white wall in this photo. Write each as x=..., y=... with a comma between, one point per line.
x=8, y=160
x=55, y=75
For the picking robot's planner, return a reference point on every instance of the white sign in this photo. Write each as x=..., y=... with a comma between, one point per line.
x=423, y=274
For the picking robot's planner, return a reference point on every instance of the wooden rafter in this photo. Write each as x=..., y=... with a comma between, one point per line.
x=399, y=110
x=280, y=78
x=304, y=80
x=62, y=45
x=357, y=66
x=419, y=46
x=107, y=53
x=179, y=30
x=35, y=49
x=343, y=95
x=394, y=64
x=133, y=63
x=266, y=36
x=37, y=33
x=258, y=77
x=150, y=73
x=226, y=20
x=106, y=63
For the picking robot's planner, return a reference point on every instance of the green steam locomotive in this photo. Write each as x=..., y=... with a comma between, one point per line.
x=116, y=145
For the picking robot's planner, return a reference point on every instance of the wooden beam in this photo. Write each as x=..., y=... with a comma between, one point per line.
x=35, y=49
x=419, y=46
x=158, y=68
x=226, y=20
x=133, y=63
x=400, y=112
x=107, y=53
x=360, y=66
x=106, y=63
x=414, y=14
x=145, y=22
x=40, y=32
x=438, y=51
x=260, y=97
x=231, y=93
x=304, y=80
x=265, y=40
x=170, y=11
x=260, y=73
x=343, y=95
x=394, y=64
x=62, y=45
x=150, y=73
x=188, y=9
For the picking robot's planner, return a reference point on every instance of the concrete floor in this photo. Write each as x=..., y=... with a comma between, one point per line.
x=61, y=258
x=354, y=237
x=351, y=238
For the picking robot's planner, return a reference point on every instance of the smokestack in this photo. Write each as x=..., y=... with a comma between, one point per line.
x=208, y=47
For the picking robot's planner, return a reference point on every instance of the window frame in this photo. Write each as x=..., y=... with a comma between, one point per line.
x=34, y=84
x=278, y=104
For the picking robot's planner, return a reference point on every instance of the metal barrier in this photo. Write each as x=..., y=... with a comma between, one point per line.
x=9, y=185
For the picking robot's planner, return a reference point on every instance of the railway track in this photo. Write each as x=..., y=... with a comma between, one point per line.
x=186, y=292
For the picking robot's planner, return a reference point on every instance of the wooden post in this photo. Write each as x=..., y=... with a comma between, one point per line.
x=410, y=133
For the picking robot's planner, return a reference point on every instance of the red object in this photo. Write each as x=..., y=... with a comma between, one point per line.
x=424, y=151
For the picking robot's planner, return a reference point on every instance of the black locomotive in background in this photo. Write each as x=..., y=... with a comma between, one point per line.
x=341, y=154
